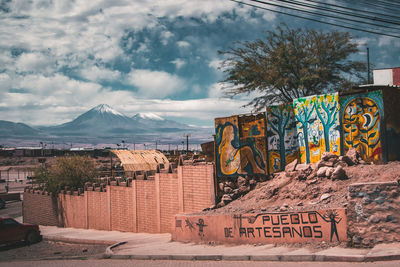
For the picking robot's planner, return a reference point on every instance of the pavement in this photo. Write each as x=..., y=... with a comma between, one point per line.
x=144, y=246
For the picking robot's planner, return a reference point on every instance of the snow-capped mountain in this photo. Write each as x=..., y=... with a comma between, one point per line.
x=147, y=116
x=103, y=124
x=103, y=120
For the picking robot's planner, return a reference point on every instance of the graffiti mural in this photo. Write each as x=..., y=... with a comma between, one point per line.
x=268, y=227
x=362, y=116
x=317, y=126
x=283, y=146
x=235, y=156
x=252, y=125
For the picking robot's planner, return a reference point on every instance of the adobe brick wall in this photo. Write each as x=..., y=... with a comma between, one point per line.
x=373, y=213
x=40, y=208
x=98, y=210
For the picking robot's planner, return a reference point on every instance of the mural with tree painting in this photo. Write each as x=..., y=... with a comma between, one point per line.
x=283, y=146
x=327, y=109
x=317, y=126
x=305, y=116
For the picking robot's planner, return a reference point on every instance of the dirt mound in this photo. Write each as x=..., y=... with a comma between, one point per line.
x=309, y=187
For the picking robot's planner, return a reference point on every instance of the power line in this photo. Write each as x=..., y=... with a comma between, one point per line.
x=374, y=5
x=317, y=20
x=353, y=9
x=336, y=11
x=318, y=14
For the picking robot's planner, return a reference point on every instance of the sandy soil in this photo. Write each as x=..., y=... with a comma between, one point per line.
x=285, y=192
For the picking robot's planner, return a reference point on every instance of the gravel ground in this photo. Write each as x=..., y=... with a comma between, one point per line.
x=49, y=249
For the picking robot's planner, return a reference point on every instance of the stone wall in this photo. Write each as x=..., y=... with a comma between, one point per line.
x=373, y=213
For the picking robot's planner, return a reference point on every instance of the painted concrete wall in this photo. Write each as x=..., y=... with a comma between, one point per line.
x=317, y=126
x=264, y=228
x=240, y=146
x=362, y=116
x=283, y=145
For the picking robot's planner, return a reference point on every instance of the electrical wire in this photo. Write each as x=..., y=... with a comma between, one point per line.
x=316, y=20
x=336, y=11
x=318, y=14
x=354, y=9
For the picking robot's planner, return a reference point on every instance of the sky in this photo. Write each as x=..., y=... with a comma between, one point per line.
x=60, y=58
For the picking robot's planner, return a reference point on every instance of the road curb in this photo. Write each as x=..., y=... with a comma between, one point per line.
x=109, y=251
x=282, y=258
x=78, y=240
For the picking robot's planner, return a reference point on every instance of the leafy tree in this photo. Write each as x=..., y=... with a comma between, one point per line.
x=289, y=64
x=72, y=171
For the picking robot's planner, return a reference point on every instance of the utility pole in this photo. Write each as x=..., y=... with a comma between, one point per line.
x=187, y=142
x=369, y=77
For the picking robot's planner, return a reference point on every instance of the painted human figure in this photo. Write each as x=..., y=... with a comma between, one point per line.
x=332, y=219
x=235, y=159
x=201, y=226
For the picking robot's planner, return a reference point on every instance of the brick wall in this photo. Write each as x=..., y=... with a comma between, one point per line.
x=168, y=200
x=122, y=208
x=73, y=210
x=98, y=210
x=147, y=219
x=197, y=187
x=373, y=213
x=138, y=206
x=40, y=208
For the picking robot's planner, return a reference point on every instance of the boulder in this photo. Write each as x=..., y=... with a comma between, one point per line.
x=230, y=184
x=339, y=174
x=252, y=182
x=291, y=166
x=221, y=186
x=322, y=171
x=323, y=163
x=227, y=190
x=226, y=198
x=346, y=159
x=244, y=189
x=329, y=172
x=241, y=181
x=353, y=155
x=300, y=167
x=326, y=156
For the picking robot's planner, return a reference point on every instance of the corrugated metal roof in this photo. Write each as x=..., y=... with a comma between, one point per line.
x=141, y=160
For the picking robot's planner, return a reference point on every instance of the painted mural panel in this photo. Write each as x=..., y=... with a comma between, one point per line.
x=253, y=155
x=234, y=156
x=317, y=126
x=283, y=145
x=362, y=116
x=252, y=125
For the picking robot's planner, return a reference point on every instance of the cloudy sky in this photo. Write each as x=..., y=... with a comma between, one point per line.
x=59, y=58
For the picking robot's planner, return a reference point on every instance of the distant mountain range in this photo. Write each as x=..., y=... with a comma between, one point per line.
x=104, y=124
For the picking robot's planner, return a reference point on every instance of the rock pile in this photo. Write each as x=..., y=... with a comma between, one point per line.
x=329, y=167
x=233, y=188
